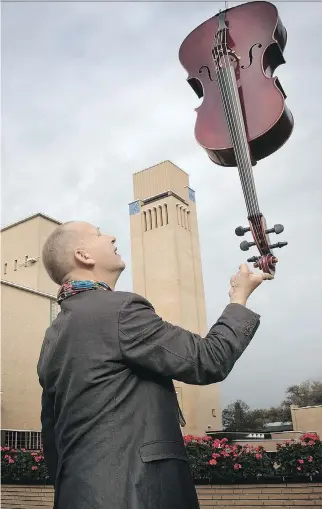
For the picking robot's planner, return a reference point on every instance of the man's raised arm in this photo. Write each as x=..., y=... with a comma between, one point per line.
x=151, y=343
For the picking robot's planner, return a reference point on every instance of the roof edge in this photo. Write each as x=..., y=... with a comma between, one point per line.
x=38, y=214
x=27, y=289
x=158, y=164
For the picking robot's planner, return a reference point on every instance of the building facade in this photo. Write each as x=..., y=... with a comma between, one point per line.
x=28, y=305
x=166, y=269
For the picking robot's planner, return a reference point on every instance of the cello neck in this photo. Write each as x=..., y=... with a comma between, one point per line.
x=227, y=84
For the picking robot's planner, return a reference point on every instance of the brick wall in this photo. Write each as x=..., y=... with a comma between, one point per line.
x=259, y=496
x=26, y=497
x=253, y=496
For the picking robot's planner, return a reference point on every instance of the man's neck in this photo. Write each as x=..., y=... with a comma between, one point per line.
x=108, y=279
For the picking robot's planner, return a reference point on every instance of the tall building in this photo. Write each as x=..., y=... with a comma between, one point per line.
x=28, y=305
x=167, y=270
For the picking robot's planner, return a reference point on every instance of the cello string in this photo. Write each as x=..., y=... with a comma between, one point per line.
x=239, y=156
x=244, y=155
x=257, y=223
x=238, y=147
x=227, y=108
x=244, y=152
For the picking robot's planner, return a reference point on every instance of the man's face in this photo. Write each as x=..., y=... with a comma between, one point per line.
x=102, y=250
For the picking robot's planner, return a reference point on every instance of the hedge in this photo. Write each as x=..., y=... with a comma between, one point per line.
x=210, y=461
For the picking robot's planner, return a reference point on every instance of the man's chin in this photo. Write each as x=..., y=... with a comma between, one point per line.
x=121, y=266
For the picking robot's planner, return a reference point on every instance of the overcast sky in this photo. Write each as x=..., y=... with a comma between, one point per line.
x=93, y=92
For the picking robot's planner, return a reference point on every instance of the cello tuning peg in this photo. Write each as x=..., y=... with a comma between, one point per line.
x=244, y=246
x=277, y=228
x=240, y=231
x=253, y=259
x=278, y=244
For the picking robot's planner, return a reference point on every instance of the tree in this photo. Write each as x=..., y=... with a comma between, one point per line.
x=239, y=417
x=236, y=416
x=277, y=414
x=305, y=394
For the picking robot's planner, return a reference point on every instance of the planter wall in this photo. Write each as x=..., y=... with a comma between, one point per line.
x=233, y=496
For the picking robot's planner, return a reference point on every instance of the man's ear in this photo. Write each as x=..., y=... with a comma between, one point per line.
x=84, y=258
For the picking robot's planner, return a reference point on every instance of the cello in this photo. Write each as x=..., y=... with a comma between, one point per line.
x=230, y=60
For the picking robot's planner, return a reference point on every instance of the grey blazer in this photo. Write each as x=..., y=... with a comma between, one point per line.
x=110, y=426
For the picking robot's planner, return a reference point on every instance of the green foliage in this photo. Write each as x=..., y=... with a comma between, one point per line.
x=219, y=460
x=210, y=460
x=19, y=464
x=300, y=458
x=239, y=417
x=199, y=451
x=305, y=394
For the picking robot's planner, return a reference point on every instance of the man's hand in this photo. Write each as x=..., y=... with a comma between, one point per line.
x=244, y=283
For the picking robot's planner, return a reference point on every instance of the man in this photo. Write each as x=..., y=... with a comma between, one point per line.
x=110, y=427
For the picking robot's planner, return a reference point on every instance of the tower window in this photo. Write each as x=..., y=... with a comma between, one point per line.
x=182, y=216
x=178, y=214
x=161, y=215
x=155, y=218
x=15, y=266
x=166, y=216
x=145, y=227
x=149, y=219
x=5, y=268
x=188, y=220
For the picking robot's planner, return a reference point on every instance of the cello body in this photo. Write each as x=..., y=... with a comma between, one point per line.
x=257, y=39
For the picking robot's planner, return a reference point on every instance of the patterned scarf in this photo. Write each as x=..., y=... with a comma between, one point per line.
x=73, y=287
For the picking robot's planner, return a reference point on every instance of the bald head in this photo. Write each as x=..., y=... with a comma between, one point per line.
x=59, y=248
x=80, y=247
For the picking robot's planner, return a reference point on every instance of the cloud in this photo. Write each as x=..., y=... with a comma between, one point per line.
x=93, y=92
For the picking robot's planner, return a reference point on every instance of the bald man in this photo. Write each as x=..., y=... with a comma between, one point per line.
x=110, y=419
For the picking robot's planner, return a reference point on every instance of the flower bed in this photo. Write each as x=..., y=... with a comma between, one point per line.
x=218, y=461
x=211, y=461
x=20, y=465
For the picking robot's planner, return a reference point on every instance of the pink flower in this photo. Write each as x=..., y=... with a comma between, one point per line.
x=299, y=468
x=11, y=460
x=237, y=466
x=34, y=468
x=310, y=438
x=6, y=457
x=213, y=462
x=258, y=456
x=301, y=461
x=310, y=459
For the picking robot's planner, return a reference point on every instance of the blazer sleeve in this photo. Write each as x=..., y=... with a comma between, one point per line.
x=148, y=342
x=48, y=437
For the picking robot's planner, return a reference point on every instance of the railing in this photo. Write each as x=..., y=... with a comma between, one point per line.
x=21, y=439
